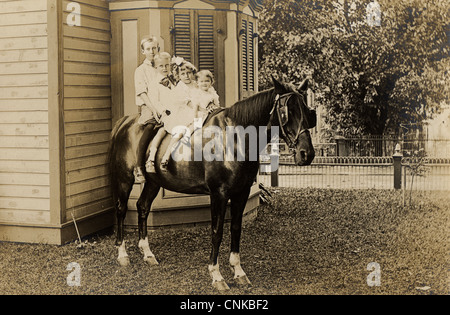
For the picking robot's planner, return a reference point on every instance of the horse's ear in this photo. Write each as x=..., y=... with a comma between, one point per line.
x=279, y=87
x=303, y=86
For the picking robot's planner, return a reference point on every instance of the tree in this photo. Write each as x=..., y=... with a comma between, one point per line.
x=369, y=78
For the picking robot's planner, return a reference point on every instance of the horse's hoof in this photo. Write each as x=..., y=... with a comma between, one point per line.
x=243, y=280
x=151, y=260
x=221, y=285
x=124, y=261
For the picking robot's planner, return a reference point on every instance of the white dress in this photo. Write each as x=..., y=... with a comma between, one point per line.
x=205, y=100
x=181, y=114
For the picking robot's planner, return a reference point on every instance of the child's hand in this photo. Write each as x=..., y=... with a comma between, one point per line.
x=157, y=117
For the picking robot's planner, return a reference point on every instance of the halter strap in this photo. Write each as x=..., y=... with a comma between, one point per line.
x=276, y=108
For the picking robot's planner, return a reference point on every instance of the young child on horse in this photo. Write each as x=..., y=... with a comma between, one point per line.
x=145, y=74
x=187, y=102
x=184, y=72
x=184, y=92
x=207, y=99
x=174, y=102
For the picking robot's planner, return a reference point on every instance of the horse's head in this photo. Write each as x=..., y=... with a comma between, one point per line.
x=294, y=119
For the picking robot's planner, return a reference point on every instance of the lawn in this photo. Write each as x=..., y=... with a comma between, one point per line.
x=305, y=241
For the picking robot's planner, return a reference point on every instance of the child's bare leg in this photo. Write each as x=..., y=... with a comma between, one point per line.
x=172, y=146
x=150, y=164
x=148, y=133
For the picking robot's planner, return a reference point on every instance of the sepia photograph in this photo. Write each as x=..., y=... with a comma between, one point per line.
x=224, y=154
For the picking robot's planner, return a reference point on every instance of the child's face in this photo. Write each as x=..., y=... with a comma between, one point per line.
x=162, y=66
x=150, y=49
x=204, y=83
x=186, y=75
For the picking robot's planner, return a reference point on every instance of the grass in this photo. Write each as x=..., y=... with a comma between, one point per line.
x=306, y=241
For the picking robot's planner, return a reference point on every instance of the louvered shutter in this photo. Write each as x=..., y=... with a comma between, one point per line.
x=206, y=42
x=182, y=43
x=250, y=58
x=244, y=56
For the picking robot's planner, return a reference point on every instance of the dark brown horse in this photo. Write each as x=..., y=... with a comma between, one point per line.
x=223, y=179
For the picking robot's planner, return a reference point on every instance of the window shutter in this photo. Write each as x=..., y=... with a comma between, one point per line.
x=182, y=42
x=250, y=58
x=206, y=42
x=244, y=56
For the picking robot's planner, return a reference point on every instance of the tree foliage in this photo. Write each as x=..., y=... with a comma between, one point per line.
x=369, y=78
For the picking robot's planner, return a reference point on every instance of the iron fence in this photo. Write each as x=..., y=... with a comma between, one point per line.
x=382, y=146
x=358, y=173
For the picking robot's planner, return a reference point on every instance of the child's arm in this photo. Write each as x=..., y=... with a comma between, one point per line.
x=141, y=89
x=216, y=99
x=149, y=104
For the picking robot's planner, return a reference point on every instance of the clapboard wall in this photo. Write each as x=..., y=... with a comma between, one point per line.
x=87, y=108
x=55, y=120
x=24, y=132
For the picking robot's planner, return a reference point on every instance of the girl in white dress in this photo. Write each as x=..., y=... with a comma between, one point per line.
x=206, y=99
x=180, y=113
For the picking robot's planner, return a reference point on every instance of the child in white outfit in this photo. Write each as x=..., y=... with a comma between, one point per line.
x=206, y=99
x=183, y=94
x=179, y=113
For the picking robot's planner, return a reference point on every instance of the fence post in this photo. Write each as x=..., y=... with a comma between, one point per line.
x=397, y=157
x=274, y=165
x=341, y=146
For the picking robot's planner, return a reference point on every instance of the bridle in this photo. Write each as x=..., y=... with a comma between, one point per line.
x=280, y=107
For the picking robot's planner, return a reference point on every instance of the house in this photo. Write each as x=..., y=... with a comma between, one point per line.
x=66, y=75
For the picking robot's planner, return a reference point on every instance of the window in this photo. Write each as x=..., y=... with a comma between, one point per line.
x=206, y=42
x=182, y=36
x=194, y=38
x=248, y=55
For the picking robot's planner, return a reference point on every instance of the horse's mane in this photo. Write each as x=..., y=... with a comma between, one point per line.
x=254, y=110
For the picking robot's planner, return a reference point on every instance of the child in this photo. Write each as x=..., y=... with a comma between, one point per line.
x=145, y=74
x=162, y=96
x=206, y=99
x=184, y=72
x=181, y=114
x=184, y=115
x=201, y=99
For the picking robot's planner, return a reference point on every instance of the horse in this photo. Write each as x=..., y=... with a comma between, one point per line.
x=224, y=180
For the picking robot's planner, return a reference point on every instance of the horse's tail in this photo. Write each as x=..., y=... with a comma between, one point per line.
x=117, y=126
x=112, y=140
x=111, y=152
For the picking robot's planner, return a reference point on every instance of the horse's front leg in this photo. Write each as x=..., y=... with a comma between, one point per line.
x=218, y=208
x=238, y=203
x=143, y=205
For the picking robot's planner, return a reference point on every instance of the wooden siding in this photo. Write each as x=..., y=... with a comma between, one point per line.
x=24, y=132
x=87, y=108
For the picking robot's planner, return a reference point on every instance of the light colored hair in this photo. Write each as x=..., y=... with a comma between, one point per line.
x=161, y=56
x=151, y=39
x=189, y=66
x=205, y=73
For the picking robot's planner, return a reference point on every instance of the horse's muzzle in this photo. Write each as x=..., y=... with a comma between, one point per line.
x=304, y=157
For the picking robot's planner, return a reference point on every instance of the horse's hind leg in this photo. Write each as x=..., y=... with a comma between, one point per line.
x=144, y=204
x=238, y=203
x=120, y=203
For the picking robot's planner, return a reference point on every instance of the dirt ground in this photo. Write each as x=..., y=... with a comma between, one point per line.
x=305, y=241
